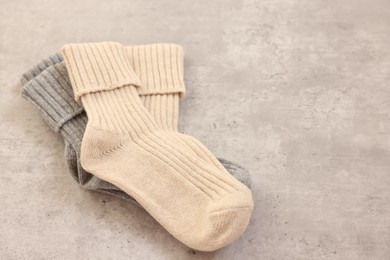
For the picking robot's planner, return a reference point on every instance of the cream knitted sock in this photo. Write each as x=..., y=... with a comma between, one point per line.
x=160, y=69
x=200, y=205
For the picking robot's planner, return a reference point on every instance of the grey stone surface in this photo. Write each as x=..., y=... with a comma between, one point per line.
x=296, y=91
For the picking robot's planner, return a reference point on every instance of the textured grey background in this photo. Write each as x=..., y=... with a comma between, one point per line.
x=296, y=91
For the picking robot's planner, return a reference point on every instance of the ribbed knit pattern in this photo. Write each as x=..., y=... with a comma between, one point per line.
x=201, y=205
x=159, y=67
x=164, y=108
x=58, y=103
x=92, y=74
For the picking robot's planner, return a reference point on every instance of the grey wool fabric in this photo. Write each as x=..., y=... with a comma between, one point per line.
x=48, y=87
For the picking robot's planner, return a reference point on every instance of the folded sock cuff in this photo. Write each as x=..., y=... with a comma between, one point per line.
x=97, y=66
x=41, y=66
x=52, y=94
x=159, y=67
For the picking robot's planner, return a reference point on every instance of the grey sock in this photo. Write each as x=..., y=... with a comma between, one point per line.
x=49, y=89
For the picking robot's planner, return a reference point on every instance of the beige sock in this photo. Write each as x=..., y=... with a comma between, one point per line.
x=160, y=70
x=200, y=205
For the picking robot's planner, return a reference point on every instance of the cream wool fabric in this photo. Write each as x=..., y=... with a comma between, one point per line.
x=201, y=205
x=160, y=70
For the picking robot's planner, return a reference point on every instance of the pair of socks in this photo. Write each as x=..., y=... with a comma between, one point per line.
x=131, y=144
x=47, y=87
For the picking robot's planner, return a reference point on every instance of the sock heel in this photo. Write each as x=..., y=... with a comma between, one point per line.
x=96, y=145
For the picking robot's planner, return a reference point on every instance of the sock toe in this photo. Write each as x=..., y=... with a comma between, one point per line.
x=226, y=221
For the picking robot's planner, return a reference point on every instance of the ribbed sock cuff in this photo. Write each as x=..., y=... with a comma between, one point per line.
x=97, y=66
x=159, y=67
x=51, y=93
x=41, y=66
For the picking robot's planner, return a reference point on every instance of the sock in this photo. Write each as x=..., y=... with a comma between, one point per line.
x=199, y=204
x=160, y=70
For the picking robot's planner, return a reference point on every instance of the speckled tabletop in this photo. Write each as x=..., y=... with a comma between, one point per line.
x=298, y=92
